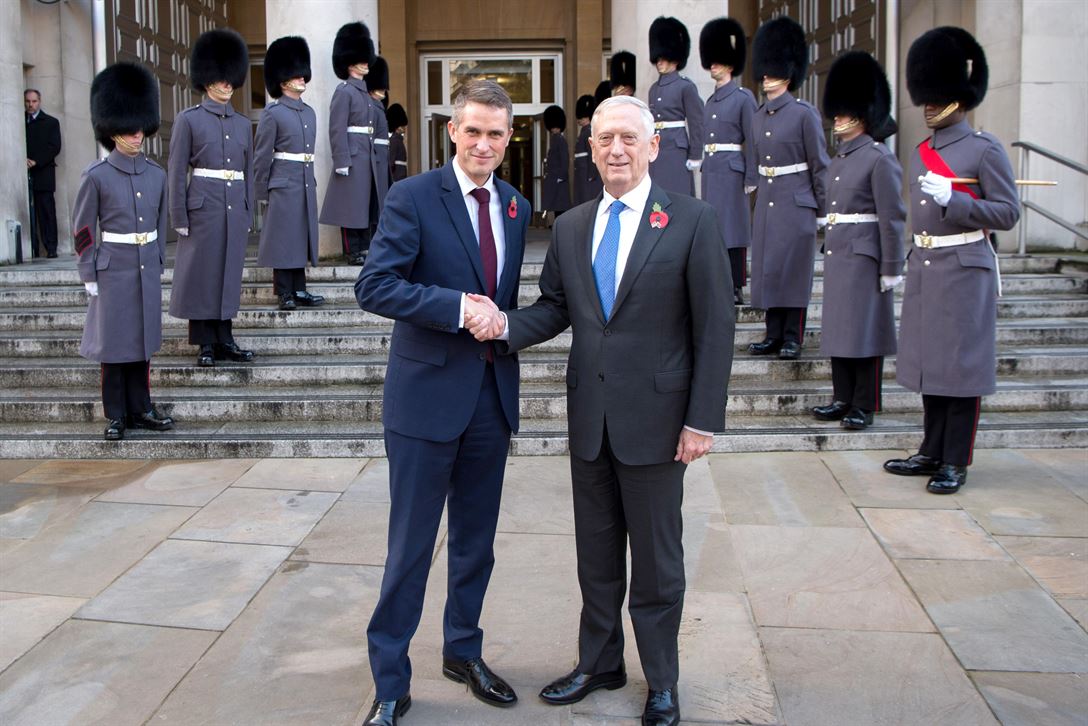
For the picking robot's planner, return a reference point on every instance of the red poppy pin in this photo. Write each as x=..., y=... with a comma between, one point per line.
x=658, y=219
x=512, y=210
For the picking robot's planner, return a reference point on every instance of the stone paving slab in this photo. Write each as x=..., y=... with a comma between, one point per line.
x=27, y=509
x=536, y=496
x=861, y=475
x=104, y=474
x=352, y=533
x=1077, y=608
x=931, y=534
x=323, y=475
x=259, y=516
x=26, y=619
x=995, y=617
x=188, y=584
x=11, y=468
x=1067, y=465
x=370, y=485
x=106, y=674
x=441, y=701
x=1035, y=699
x=297, y=655
x=844, y=677
x=824, y=577
x=180, y=483
x=1060, y=564
x=83, y=553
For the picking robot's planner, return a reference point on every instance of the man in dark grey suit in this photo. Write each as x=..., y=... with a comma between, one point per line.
x=42, y=148
x=641, y=277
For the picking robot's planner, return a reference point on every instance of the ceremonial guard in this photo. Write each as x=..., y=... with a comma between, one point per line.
x=211, y=211
x=555, y=192
x=621, y=74
x=351, y=201
x=727, y=123
x=587, y=180
x=678, y=111
x=377, y=84
x=283, y=168
x=863, y=241
x=119, y=227
x=790, y=155
x=397, y=119
x=947, y=331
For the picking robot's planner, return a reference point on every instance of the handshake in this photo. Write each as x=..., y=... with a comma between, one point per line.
x=483, y=318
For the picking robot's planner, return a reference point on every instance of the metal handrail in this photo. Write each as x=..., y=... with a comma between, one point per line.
x=1022, y=230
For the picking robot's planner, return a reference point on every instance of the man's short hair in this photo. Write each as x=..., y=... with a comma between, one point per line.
x=644, y=111
x=484, y=92
x=35, y=91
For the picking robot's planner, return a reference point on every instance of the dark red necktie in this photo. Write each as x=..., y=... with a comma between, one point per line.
x=488, y=255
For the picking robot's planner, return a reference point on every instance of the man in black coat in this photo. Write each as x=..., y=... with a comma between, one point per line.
x=42, y=147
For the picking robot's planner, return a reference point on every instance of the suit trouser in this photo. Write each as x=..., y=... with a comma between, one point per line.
x=285, y=282
x=466, y=475
x=950, y=424
x=45, y=213
x=738, y=264
x=786, y=324
x=211, y=332
x=858, y=381
x=613, y=503
x=126, y=388
x=354, y=241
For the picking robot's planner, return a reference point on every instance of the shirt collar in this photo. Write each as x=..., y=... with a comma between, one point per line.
x=634, y=199
x=34, y=116
x=219, y=109
x=467, y=185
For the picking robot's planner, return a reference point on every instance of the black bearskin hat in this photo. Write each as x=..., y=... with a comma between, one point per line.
x=352, y=45
x=555, y=118
x=378, y=77
x=584, y=106
x=124, y=100
x=396, y=117
x=622, y=69
x=218, y=55
x=603, y=92
x=947, y=64
x=669, y=39
x=779, y=51
x=722, y=41
x=856, y=86
x=286, y=58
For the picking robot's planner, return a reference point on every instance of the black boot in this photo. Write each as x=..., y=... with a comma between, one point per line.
x=115, y=429
x=916, y=465
x=151, y=420
x=738, y=296
x=206, y=357
x=857, y=419
x=769, y=346
x=307, y=300
x=287, y=301
x=948, y=479
x=790, y=350
x=233, y=352
x=834, y=411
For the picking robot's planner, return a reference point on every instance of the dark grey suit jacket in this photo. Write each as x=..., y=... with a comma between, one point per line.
x=662, y=361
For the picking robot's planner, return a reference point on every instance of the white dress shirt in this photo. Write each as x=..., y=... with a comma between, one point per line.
x=498, y=231
x=635, y=201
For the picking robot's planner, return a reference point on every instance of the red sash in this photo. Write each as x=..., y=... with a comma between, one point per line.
x=933, y=162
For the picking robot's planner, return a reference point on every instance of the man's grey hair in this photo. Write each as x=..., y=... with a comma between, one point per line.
x=35, y=91
x=614, y=101
x=484, y=92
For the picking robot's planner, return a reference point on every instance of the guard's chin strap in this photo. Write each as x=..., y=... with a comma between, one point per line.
x=945, y=113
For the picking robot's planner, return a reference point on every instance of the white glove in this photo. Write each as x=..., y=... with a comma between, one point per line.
x=91, y=288
x=343, y=171
x=183, y=231
x=890, y=282
x=821, y=222
x=937, y=186
x=693, y=164
x=749, y=190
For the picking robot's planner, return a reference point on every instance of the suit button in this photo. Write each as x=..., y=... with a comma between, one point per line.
x=483, y=356
x=926, y=263
x=600, y=376
x=607, y=332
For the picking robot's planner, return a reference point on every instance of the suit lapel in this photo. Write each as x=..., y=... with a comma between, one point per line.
x=584, y=239
x=646, y=238
x=455, y=205
x=512, y=233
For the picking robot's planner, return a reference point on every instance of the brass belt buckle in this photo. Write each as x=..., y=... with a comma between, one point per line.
x=770, y=171
x=228, y=174
x=927, y=241
x=141, y=238
x=307, y=158
x=831, y=218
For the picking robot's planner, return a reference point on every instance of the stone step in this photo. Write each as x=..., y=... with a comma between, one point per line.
x=73, y=318
x=538, y=401
x=536, y=367
x=216, y=440
x=369, y=340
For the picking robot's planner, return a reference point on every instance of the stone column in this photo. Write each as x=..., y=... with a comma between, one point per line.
x=318, y=21
x=14, y=198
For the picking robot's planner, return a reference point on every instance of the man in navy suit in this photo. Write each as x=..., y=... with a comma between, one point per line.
x=450, y=403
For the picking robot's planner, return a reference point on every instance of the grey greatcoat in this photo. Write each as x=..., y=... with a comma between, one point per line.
x=347, y=199
x=786, y=131
x=208, y=269
x=947, y=328
x=587, y=180
x=289, y=233
x=675, y=98
x=859, y=319
x=555, y=190
x=398, y=158
x=122, y=195
x=382, y=161
x=727, y=119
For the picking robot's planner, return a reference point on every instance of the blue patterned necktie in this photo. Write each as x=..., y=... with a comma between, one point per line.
x=604, y=264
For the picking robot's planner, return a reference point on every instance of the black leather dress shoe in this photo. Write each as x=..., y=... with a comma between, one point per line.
x=287, y=302
x=307, y=300
x=834, y=411
x=233, y=352
x=388, y=713
x=206, y=357
x=948, y=479
x=151, y=420
x=791, y=350
x=916, y=465
x=662, y=708
x=484, y=684
x=115, y=429
x=575, y=686
x=52, y=255
x=738, y=296
x=770, y=346
x=359, y=259
x=857, y=419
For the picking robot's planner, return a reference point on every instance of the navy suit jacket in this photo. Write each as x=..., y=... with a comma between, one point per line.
x=422, y=258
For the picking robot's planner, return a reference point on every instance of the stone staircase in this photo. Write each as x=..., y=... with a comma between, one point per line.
x=315, y=388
